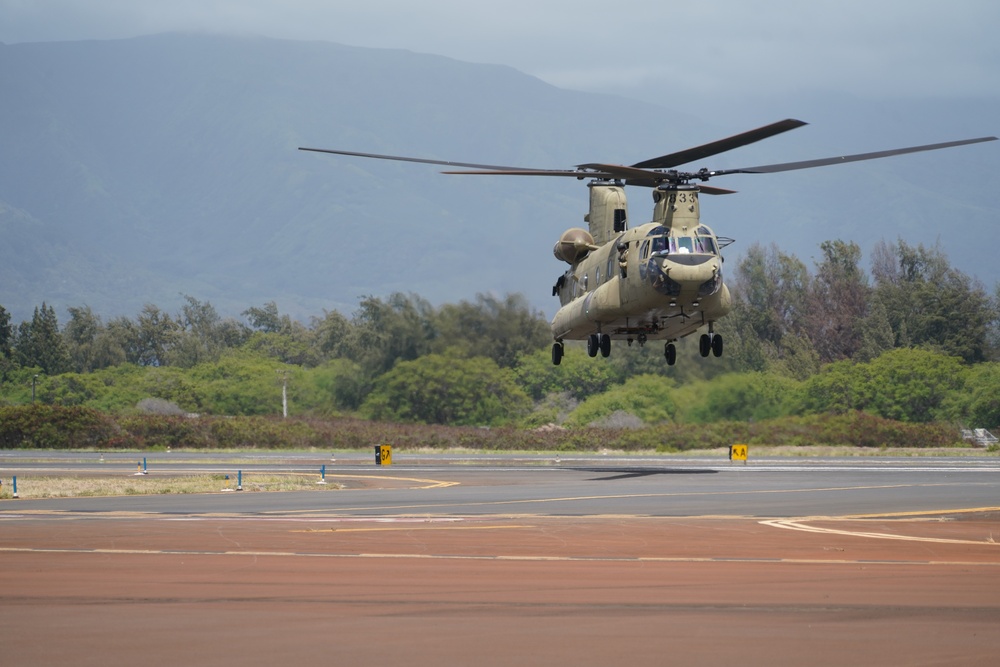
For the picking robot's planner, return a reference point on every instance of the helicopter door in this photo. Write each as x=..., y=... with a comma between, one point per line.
x=629, y=272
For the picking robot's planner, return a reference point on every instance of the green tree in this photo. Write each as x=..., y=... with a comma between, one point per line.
x=89, y=344
x=6, y=341
x=876, y=332
x=438, y=389
x=240, y=383
x=905, y=384
x=930, y=304
x=149, y=340
x=501, y=329
x=6, y=333
x=647, y=397
x=838, y=301
x=399, y=328
x=913, y=385
x=770, y=301
x=39, y=343
x=979, y=405
x=578, y=375
x=336, y=337
x=338, y=384
x=772, y=286
x=841, y=387
x=203, y=335
x=745, y=397
x=266, y=318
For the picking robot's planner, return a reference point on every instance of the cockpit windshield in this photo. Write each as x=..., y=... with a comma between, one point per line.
x=665, y=241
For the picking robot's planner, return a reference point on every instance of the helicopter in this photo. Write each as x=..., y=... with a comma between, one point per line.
x=660, y=280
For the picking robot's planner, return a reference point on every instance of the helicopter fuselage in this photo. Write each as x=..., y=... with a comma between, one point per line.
x=660, y=280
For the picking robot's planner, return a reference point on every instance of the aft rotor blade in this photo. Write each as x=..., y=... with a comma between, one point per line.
x=400, y=158
x=720, y=146
x=808, y=164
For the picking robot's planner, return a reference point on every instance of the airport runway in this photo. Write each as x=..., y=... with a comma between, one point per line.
x=502, y=560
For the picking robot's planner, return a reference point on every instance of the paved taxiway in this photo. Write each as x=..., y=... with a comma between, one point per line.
x=492, y=560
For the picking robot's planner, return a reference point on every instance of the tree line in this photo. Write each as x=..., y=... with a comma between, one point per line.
x=798, y=341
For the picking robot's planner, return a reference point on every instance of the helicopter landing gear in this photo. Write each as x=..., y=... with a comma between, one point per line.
x=557, y=352
x=670, y=352
x=599, y=343
x=710, y=343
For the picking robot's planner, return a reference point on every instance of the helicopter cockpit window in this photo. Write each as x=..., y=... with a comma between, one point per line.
x=685, y=244
x=644, y=252
x=659, y=244
x=707, y=240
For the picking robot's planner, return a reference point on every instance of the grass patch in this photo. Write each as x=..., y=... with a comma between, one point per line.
x=149, y=485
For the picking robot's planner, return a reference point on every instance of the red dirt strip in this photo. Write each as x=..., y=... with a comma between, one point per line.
x=499, y=590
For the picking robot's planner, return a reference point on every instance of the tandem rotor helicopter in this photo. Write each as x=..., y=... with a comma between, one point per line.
x=660, y=280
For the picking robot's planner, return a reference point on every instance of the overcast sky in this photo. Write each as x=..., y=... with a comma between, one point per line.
x=866, y=48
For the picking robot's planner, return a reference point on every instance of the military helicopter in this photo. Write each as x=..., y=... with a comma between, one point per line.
x=660, y=280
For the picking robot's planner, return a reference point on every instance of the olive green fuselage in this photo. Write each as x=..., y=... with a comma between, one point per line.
x=660, y=280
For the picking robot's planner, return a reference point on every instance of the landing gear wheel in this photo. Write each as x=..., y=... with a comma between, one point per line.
x=605, y=345
x=704, y=345
x=670, y=352
x=717, y=345
x=593, y=345
x=557, y=353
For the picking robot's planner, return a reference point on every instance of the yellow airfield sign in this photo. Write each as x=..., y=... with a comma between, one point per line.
x=383, y=455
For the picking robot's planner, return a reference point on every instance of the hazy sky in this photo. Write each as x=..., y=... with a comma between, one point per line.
x=867, y=48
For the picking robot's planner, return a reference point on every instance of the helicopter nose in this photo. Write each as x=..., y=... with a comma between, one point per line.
x=686, y=280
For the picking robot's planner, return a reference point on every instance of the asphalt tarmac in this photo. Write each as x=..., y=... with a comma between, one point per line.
x=499, y=560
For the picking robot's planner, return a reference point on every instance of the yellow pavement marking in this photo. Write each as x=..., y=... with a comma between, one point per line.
x=428, y=483
x=407, y=527
x=889, y=515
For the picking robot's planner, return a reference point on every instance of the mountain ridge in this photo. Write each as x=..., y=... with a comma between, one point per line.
x=135, y=171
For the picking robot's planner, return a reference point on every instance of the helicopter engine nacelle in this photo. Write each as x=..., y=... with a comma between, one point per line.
x=574, y=245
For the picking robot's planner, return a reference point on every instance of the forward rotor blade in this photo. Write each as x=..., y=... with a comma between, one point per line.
x=514, y=171
x=400, y=158
x=808, y=164
x=712, y=190
x=720, y=146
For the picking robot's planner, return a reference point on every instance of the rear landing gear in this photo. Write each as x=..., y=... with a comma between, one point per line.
x=599, y=343
x=710, y=343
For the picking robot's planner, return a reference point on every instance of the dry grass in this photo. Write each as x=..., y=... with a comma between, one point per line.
x=41, y=486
